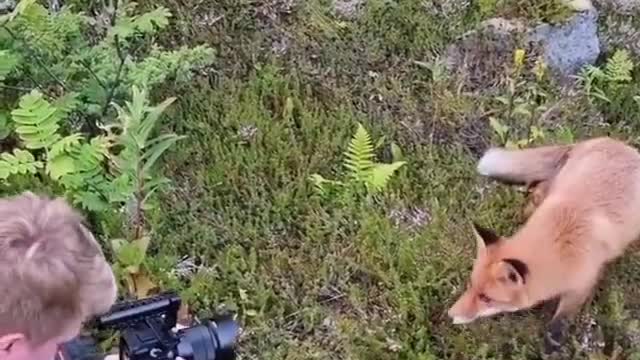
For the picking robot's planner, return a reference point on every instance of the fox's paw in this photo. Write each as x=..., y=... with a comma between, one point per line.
x=493, y=161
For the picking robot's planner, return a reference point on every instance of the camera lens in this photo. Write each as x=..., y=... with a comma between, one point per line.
x=211, y=340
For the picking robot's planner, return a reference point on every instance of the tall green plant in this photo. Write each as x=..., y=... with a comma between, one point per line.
x=137, y=181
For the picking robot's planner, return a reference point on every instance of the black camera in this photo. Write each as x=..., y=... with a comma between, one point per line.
x=146, y=329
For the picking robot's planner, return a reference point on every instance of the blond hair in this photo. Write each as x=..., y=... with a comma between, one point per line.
x=52, y=270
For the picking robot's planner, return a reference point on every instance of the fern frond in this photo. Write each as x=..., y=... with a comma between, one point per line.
x=359, y=154
x=50, y=34
x=129, y=25
x=162, y=64
x=36, y=120
x=65, y=145
x=380, y=174
x=8, y=62
x=619, y=66
x=20, y=162
x=67, y=103
x=59, y=166
x=319, y=183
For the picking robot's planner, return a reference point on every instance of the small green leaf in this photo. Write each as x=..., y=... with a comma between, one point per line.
x=8, y=62
x=396, y=152
x=498, y=127
x=381, y=173
x=5, y=170
x=60, y=166
x=152, y=117
x=65, y=144
x=5, y=128
x=160, y=145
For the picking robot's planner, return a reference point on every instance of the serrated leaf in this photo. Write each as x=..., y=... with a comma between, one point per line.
x=130, y=256
x=498, y=127
x=143, y=285
x=379, y=175
x=152, y=117
x=60, y=166
x=396, y=152
x=144, y=23
x=67, y=103
x=158, y=17
x=65, y=145
x=20, y=8
x=37, y=120
x=90, y=201
x=359, y=155
x=157, y=149
x=142, y=243
x=8, y=62
x=5, y=170
x=5, y=129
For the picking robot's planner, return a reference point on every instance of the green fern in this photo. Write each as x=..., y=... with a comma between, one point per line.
x=65, y=145
x=161, y=64
x=8, y=62
x=360, y=166
x=604, y=83
x=359, y=155
x=18, y=162
x=380, y=175
x=128, y=24
x=619, y=67
x=37, y=121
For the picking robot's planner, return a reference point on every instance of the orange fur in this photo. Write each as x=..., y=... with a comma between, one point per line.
x=585, y=214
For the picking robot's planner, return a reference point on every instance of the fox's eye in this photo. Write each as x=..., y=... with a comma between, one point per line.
x=484, y=298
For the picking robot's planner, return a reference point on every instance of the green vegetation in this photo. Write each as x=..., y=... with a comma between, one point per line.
x=236, y=178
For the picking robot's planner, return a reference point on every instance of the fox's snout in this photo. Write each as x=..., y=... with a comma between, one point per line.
x=461, y=312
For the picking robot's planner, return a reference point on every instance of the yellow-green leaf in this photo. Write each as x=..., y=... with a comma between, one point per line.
x=59, y=166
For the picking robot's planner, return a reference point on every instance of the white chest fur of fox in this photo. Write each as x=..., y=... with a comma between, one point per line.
x=587, y=217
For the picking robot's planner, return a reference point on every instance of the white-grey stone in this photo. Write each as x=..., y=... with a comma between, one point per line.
x=569, y=46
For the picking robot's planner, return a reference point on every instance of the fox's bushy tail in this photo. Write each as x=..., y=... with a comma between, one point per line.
x=523, y=166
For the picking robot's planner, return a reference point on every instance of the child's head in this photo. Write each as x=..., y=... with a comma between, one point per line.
x=53, y=276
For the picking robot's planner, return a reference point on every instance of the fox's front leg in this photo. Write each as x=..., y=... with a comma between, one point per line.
x=568, y=307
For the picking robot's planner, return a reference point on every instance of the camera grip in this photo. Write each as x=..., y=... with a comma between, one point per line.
x=80, y=348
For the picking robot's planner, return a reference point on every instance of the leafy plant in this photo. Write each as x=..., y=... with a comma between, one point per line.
x=106, y=173
x=136, y=182
x=94, y=59
x=600, y=84
x=72, y=161
x=520, y=107
x=362, y=171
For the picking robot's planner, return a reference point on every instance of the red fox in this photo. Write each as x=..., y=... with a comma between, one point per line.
x=586, y=215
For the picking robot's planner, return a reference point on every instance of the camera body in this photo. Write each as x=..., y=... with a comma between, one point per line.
x=147, y=332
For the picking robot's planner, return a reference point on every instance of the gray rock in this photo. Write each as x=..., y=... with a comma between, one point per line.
x=569, y=46
x=480, y=56
x=347, y=8
x=7, y=6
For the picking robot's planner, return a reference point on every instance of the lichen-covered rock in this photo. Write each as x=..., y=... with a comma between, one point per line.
x=481, y=56
x=7, y=6
x=347, y=8
x=570, y=46
x=620, y=6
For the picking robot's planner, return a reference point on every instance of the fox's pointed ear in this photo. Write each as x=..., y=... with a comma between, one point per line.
x=484, y=236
